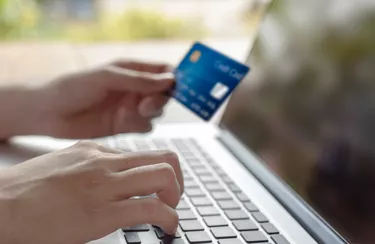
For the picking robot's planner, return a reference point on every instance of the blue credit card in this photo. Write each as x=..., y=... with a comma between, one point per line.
x=205, y=79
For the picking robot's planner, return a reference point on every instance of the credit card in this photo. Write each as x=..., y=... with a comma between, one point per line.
x=205, y=78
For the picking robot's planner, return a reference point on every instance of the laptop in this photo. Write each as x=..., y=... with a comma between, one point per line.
x=292, y=160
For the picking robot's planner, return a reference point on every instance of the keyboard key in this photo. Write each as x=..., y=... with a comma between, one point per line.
x=187, y=177
x=214, y=187
x=228, y=204
x=132, y=238
x=137, y=228
x=208, y=179
x=254, y=236
x=186, y=215
x=182, y=205
x=209, y=159
x=223, y=232
x=269, y=228
x=201, y=201
x=236, y=214
x=198, y=237
x=191, y=184
x=227, y=180
x=246, y=224
x=230, y=241
x=242, y=197
x=215, y=221
x=193, y=160
x=214, y=165
x=194, y=192
x=234, y=188
x=251, y=207
x=207, y=211
x=218, y=170
x=191, y=225
x=202, y=171
x=197, y=165
x=191, y=157
x=161, y=235
x=280, y=239
x=185, y=153
x=221, y=195
x=261, y=218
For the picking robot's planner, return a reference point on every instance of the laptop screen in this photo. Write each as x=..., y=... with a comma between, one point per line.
x=308, y=107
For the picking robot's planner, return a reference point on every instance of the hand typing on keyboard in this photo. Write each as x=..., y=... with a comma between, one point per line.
x=85, y=192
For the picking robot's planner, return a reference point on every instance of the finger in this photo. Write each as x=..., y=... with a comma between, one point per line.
x=117, y=79
x=105, y=149
x=138, y=159
x=151, y=106
x=126, y=124
x=92, y=145
x=146, y=180
x=143, y=211
x=156, y=68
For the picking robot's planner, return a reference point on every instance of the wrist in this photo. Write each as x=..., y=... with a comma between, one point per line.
x=20, y=108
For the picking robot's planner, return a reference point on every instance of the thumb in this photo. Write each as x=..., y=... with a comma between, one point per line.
x=119, y=79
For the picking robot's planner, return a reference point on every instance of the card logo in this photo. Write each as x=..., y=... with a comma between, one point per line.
x=195, y=56
x=219, y=91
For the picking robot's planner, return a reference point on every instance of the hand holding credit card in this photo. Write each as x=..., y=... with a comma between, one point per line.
x=205, y=78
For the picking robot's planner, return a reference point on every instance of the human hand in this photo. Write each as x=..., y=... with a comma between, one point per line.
x=85, y=192
x=118, y=98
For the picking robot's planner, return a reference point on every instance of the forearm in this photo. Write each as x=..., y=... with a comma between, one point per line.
x=7, y=223
x=18, y=106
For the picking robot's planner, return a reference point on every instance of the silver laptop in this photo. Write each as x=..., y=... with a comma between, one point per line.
x=293, y=158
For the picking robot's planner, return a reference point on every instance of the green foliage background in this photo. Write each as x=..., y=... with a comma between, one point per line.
x=17, y=18
x=23, y=20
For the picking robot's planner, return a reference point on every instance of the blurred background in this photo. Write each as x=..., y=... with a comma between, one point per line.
x=307, y=108
x=41, y=39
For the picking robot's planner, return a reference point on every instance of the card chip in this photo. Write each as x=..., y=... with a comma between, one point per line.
x=195, y=56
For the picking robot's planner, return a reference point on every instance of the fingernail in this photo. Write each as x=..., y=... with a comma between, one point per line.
x=170, y=156
x=175, y=230
x=169, y=77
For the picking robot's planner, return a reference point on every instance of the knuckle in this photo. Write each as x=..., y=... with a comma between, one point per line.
x=116, y=62
x=87, y=145
x=167, y=172
x=171, y=157
x=96, y=159
x=103, y=148
x=106, y=70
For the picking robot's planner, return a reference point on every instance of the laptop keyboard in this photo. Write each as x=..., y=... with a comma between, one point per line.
x=213, y=208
